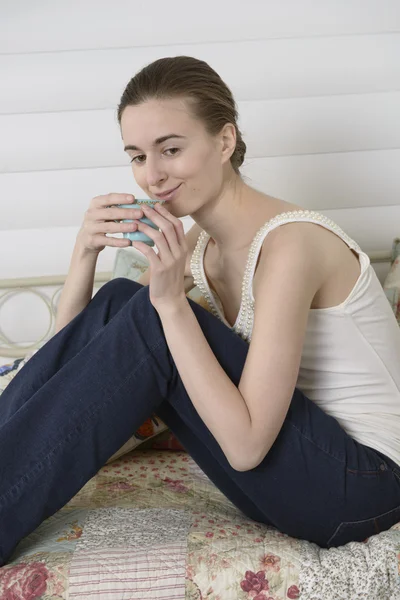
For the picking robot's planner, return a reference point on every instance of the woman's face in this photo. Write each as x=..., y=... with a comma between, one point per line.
x=194, y=161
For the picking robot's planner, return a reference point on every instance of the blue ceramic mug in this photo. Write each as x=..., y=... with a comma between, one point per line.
x=139, y=236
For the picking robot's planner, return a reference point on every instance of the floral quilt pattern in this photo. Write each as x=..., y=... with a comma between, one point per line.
x=152, y=526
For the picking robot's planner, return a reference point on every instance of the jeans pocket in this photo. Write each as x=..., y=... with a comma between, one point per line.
x=359, y=531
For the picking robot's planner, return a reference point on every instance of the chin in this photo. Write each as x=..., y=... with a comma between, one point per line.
x=177, y=212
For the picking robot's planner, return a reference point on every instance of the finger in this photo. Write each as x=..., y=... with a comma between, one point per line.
x=177, y=223
x=158, y=238
x=149, y=253
x=118, y=214
x=106, y=200
x=112, y=241
x=105, y=207
x=167, y=228
x=110, y=227
x=118, y=227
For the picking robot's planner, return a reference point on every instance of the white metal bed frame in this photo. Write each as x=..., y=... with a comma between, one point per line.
x=28, y=284
x=11, y=287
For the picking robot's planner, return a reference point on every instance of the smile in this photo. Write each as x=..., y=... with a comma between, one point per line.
x=168, y=195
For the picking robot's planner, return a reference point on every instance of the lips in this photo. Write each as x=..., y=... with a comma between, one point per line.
x=164, y=194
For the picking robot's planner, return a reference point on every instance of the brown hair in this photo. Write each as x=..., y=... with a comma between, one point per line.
x=185, y=76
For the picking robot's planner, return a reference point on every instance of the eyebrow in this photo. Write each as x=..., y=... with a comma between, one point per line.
x=156, y=142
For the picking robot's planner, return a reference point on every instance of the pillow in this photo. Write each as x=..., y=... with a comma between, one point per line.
x=391, y=285
x=129, y=263
x=8, y=372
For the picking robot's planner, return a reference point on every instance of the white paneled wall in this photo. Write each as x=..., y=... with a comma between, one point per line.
x=317, y=86
x=48, y=26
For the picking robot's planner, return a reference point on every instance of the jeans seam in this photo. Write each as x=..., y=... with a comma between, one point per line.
x=361, y=521
x=343, y=462
x=395, y=473
x=34, y=469
x=334, y=533
x=365, y=471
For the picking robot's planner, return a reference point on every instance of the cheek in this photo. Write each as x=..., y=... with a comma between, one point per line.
x=201, y=164
x=138, y=175
x=189, y=164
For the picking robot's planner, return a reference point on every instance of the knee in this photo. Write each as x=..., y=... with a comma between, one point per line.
x=142, y=295
x=142, y=308
x=121, y=284
x=120, y=287
x=126, y=289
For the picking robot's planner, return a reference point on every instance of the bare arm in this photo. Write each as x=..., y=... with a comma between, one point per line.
x=189, y=284
x=78, y=288
x=99, y=220
x=245, y=420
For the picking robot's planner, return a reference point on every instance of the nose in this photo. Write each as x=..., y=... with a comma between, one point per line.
x=154, y=172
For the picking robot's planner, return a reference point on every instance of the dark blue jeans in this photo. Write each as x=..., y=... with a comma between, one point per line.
x=85, y=392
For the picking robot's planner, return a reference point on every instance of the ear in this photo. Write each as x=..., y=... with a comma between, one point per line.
x=228, y=141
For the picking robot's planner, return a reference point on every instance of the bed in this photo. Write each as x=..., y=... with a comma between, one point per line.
x=151, y=525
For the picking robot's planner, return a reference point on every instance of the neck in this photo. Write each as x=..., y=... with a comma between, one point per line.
x=232, y=218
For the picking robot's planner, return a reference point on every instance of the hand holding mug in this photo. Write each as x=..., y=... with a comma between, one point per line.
x=101, y=218
x=167, y=267
x=139, y=235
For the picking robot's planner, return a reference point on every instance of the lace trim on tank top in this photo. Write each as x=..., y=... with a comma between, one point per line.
x=244, y=322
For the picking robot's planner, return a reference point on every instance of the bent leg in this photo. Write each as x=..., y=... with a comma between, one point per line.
x=65, y=412
x=80, y=407
x=314, y=478
x=206, y=461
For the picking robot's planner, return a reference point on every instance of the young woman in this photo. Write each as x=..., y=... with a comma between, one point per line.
x=286, y=392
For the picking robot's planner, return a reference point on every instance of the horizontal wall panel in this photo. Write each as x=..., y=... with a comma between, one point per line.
x=323, y=181
x=59, y=199
x=50, y=26
x=327, y=124
x=285, y=68
x=85, y=139
x=36, y=252
x=373, y=228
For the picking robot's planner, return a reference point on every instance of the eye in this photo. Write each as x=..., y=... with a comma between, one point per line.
x=171, y=149
x=135, y=158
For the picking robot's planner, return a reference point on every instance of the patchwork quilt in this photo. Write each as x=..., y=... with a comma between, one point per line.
x=152, y=526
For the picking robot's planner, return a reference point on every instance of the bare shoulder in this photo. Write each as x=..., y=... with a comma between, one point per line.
x=294, y=235
x=293, y=245
x=301, y=246
x=310, y=237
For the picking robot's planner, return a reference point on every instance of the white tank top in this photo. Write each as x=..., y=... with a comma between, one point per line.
x=350, y=362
